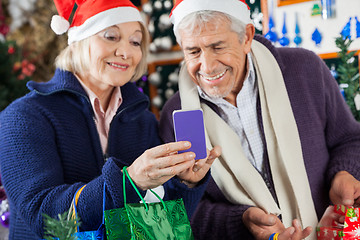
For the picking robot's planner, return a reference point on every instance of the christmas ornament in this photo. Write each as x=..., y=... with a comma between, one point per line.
x=316, y=37
x=157, y=5
x=166, y=43
x=257, y=18
x=167, y=5
x=357, y=22
x=173, y=77
x=152, y=47
x=155, y=78
x=328, y=9
x=271, y=34
x=147, y=8
x=157, y=101
x=5, y=219
x=316, y=10
x=298, y=38
x=284, y=41
x=345, y=32
x=164, y=22
x=151, y=27
x=169, y=93
x=20, y=12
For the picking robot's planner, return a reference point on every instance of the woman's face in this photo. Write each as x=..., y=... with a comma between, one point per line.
x=115, y=53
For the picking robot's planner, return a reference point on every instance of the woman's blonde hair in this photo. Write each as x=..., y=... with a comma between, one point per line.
x=75, y=58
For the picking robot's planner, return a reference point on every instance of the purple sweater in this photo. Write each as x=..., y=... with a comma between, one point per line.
x=329, y=135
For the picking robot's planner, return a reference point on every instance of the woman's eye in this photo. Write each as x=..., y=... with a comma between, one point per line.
x=111, y=36
x=137, y=44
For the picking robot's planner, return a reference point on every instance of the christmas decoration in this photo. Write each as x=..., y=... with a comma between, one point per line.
x=62, y=228
x=345, y=32
x=15, y=70
x=316, y=37
x=271, y=34
x=357, y=22
x=348, y=73
x=284, y=41
x=298, y=38
x=328, y=9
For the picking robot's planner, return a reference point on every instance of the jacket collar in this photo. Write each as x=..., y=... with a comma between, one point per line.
x=134, y=102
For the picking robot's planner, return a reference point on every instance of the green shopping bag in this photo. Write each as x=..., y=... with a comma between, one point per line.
x=135, y=221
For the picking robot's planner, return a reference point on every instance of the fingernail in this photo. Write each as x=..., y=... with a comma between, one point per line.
x=186, y=144
x=297, y=223
x=292, y=230
x=271, y=220
x=195, y=169
x=191, y=156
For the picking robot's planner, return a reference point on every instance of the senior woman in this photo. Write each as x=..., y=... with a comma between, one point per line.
x=86, y=123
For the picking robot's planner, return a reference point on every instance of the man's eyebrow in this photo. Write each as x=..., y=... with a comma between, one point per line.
x=215, y=44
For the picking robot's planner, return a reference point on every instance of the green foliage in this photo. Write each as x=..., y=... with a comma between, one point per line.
x=61, y=228
x=348, y=73
x=15, y=71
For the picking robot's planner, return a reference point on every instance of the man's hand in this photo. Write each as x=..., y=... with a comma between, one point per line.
x=345, y=190
x=194, y=174
x=262, y=225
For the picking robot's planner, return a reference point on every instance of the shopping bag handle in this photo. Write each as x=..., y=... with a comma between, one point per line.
x=76, y=199
x=125, y=173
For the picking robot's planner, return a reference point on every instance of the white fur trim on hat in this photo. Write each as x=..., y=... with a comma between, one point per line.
x=235, y=8
x=59, y=24
x=103, y=20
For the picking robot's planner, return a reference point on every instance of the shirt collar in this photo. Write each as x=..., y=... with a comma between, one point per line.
x=114, y=104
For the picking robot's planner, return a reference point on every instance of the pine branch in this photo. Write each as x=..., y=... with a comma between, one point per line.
x=61, y=228
x=347, y=71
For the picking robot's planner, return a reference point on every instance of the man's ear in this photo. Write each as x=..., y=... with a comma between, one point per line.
x=249, y=35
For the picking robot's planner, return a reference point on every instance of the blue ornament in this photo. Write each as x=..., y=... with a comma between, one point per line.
x=345, y=32
x=298, y=38
x=271, y=34
x=357, y=27
x=316, y=37
x=5, y=219
x=284, y=41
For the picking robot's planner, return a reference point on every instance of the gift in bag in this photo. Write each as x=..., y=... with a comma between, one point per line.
x=135, y=221
x=331, y=227
x=87, y=235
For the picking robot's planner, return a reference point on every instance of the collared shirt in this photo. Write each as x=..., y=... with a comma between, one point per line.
x=243, y=118
x=102, y=118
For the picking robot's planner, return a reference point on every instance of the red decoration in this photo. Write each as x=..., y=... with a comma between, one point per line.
x=330, y=226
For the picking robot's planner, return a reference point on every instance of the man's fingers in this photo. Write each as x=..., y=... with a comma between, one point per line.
x=258, y=217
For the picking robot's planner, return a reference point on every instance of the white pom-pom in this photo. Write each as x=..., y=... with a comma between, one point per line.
x=59, y=24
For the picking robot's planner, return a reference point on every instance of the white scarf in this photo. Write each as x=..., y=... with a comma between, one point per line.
x=232, y=171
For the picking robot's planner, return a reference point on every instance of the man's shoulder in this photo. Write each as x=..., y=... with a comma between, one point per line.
x=173, y=103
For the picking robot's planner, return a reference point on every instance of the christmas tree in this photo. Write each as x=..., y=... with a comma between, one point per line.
x=348, y=73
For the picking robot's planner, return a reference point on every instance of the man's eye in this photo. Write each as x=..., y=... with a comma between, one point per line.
x=194, y=52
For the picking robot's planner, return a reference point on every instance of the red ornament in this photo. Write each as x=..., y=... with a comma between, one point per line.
x=11, y=50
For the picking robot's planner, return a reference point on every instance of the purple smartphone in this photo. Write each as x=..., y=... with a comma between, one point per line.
x=189, y=126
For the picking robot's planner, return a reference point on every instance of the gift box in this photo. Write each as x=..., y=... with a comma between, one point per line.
x=339, y=222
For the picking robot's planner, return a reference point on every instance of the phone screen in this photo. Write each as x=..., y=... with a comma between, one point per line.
x=189, y=126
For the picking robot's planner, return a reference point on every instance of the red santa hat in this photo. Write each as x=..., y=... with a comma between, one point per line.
x=91, y=16
x=235, y=8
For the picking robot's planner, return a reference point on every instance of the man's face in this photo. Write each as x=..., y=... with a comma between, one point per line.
x=216, y=59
